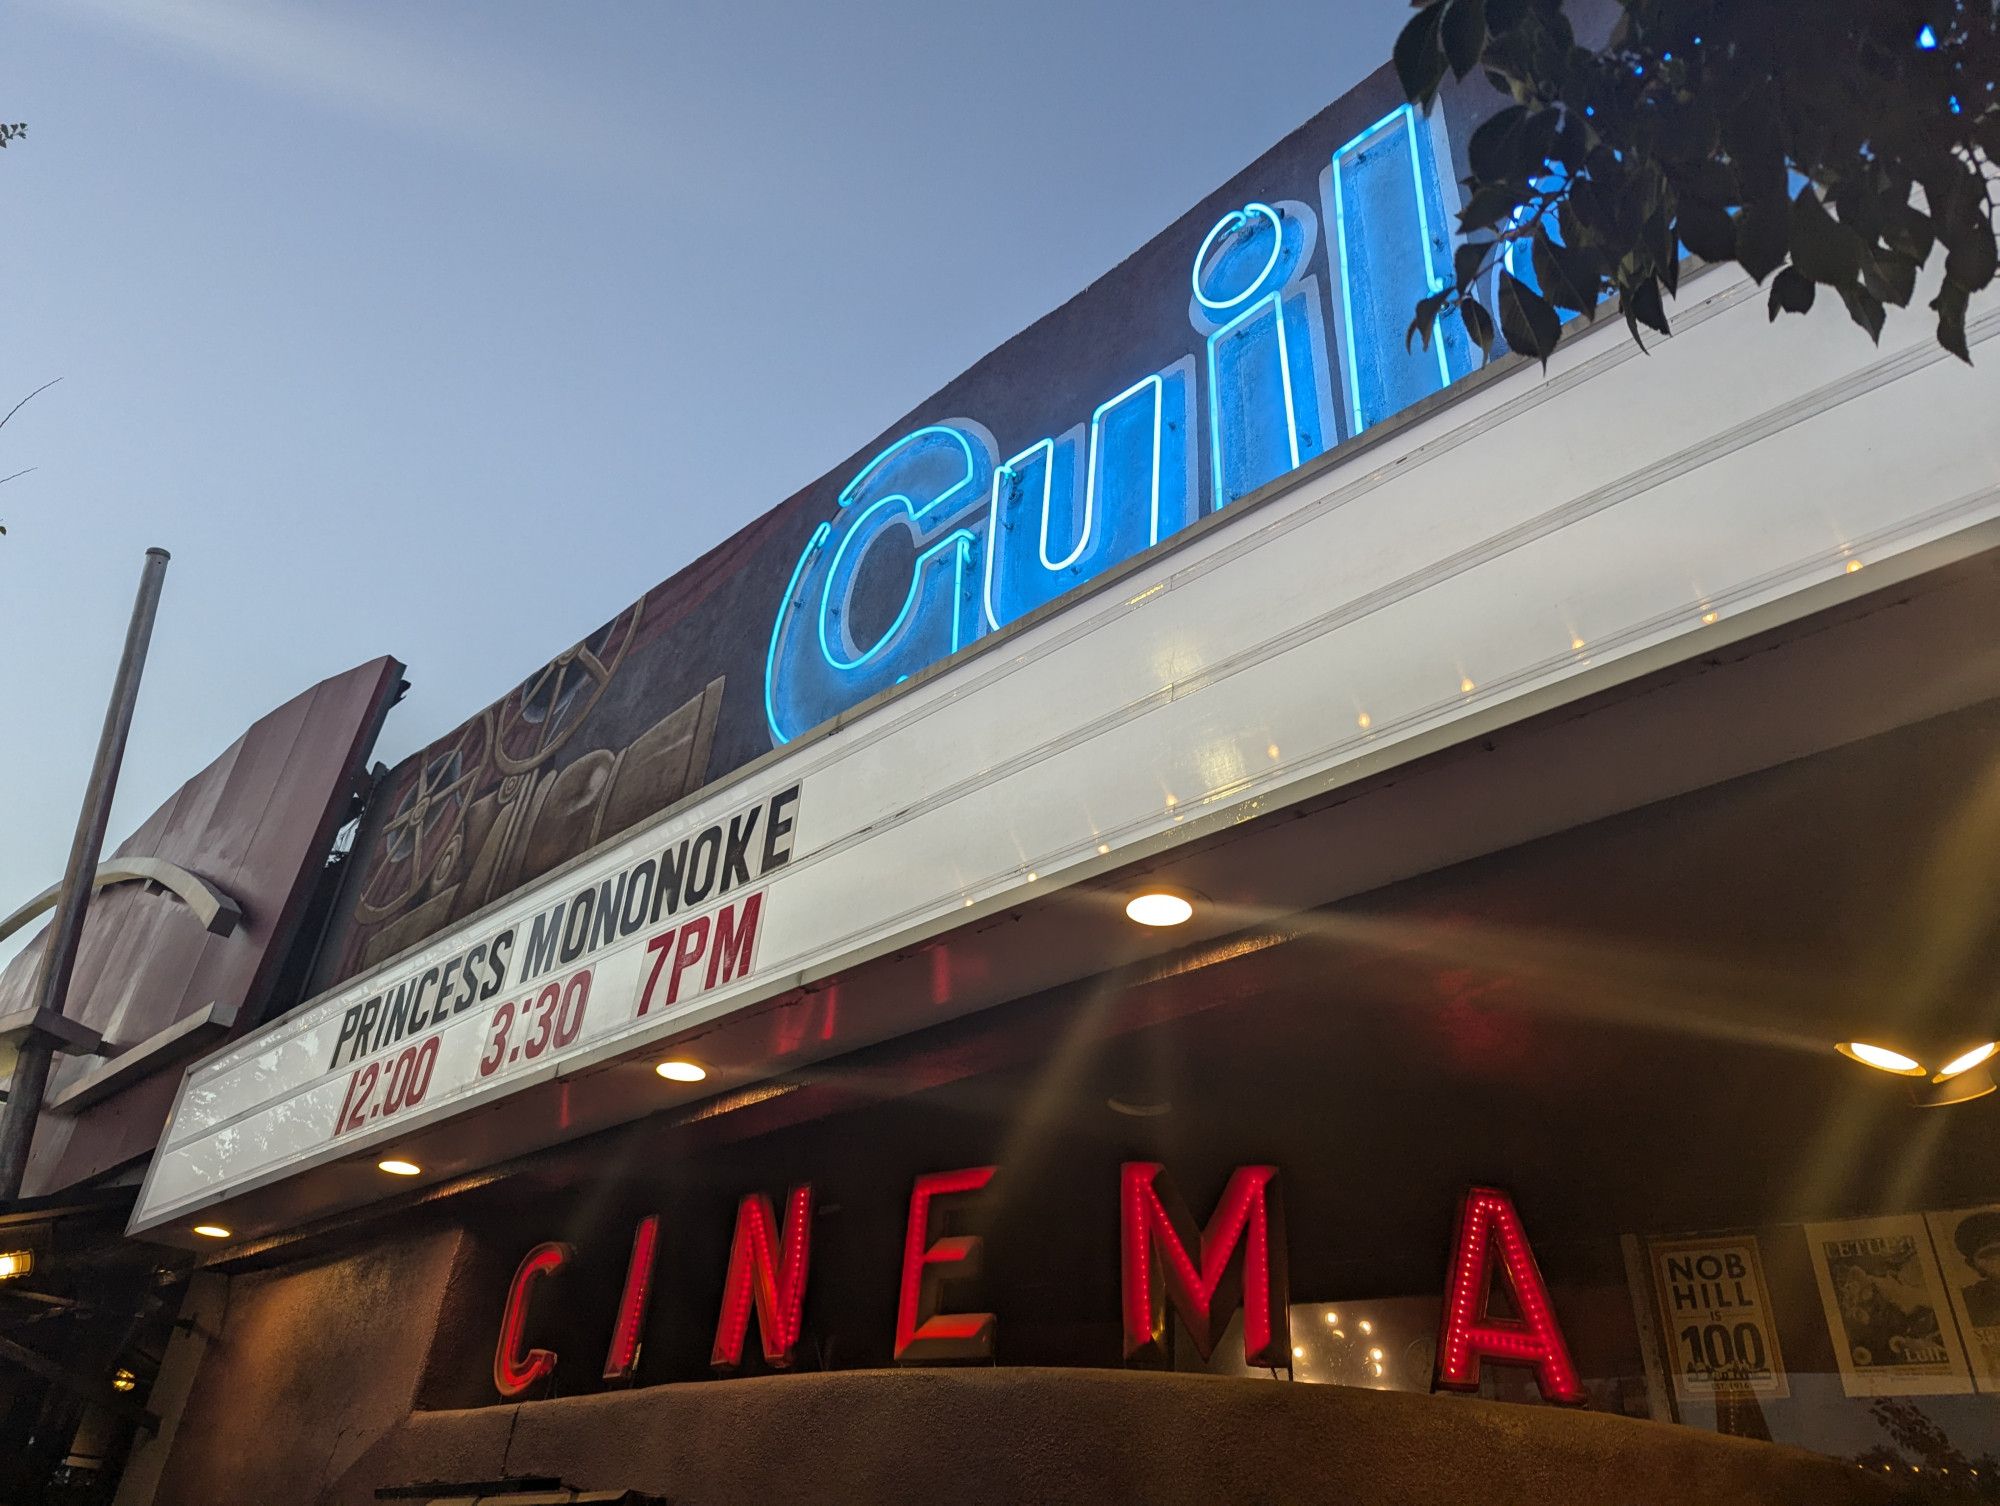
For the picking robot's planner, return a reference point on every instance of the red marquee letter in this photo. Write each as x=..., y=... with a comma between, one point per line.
x=623, y=1359
x=1487, y=1222
x=513, y=1371
x=923, y=1333
x=1153, y=1221
x=758, y=1273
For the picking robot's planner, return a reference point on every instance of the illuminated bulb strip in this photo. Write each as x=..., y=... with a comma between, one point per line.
x=922, y=1333
x=763, y=1278
x=623, y=1359
x=1247, y=1214
x=513, y=1371
x=1489, y=1224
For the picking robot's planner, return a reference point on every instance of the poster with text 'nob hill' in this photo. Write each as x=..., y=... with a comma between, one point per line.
x=1715, y=1313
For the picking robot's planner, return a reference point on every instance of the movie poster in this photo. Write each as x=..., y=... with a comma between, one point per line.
x=1886, y=1307
x=1968, y=1247
x=1715, y=1313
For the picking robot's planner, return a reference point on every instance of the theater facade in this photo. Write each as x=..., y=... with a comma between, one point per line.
x=1232, y=908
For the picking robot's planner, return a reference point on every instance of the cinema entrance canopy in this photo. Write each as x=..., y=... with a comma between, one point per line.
x=1623, y=1012
x=1220, y=715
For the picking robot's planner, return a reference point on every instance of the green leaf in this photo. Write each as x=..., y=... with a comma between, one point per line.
x=1469, y=260
x=1970, y=260
x=1490, y=148
x=1763, y=236
x=1419, y=55
x=1464, y=35
x=1822, y=248
x=1530, y=325
x=1641, y=305
x=1505, y=15
x=1791, y=293
x=1864, y=308
x=1478, y=323
x=1950, y=304
x=1425, y=319
x=1890, y=276
x=1553, y=271
x=1658, y=235
x=1491, y=204
x=1909, y=231
x=1707, y=231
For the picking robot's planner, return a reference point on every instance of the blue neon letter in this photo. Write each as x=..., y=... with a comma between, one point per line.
x=1064, y=510
x=1269, y=392
x=1387, y=230
x=931, y=486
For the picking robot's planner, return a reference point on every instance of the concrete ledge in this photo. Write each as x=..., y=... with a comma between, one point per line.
x=1056, y=1437
x=157, y=1052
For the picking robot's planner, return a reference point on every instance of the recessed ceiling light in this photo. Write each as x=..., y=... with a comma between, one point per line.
x=681, y=1071
x=1967, y=1061
x=211, y=1231
x=1159, y=907
x=1881, y=1058
x=399, y=1168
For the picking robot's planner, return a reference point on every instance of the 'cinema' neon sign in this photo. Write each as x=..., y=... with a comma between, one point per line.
x=1204, y=1273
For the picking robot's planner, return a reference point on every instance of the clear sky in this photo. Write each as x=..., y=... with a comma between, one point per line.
x=446, y=329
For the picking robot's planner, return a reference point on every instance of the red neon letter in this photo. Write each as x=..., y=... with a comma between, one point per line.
x=922, y=1332
x=759, y=1274
x=735, y=939
x=659, y=946
x=1486, y=1220
x=513, y=1371
x=623, y=1358
x=1153, y=1220
x=694, y=941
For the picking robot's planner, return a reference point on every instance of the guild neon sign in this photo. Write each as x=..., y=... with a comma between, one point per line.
x=1265, y=390
x=1206, y=1273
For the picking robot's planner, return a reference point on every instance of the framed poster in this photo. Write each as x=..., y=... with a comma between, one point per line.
x=1968, y=1249
x=1715, y=1317
x=1886, y=1307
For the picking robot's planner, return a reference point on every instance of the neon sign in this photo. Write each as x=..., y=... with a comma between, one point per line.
x=1489, y=1230
x=1155, y=1226
x=988, y=540
x=1208, y=1273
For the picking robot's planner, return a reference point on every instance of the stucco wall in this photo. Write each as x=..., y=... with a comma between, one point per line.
x=312, y=1366
x=1051, y=1437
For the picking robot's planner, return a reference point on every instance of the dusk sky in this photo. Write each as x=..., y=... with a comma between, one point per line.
x=446, y=330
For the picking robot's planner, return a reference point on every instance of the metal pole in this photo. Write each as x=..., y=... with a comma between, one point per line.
x=31, y=1071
